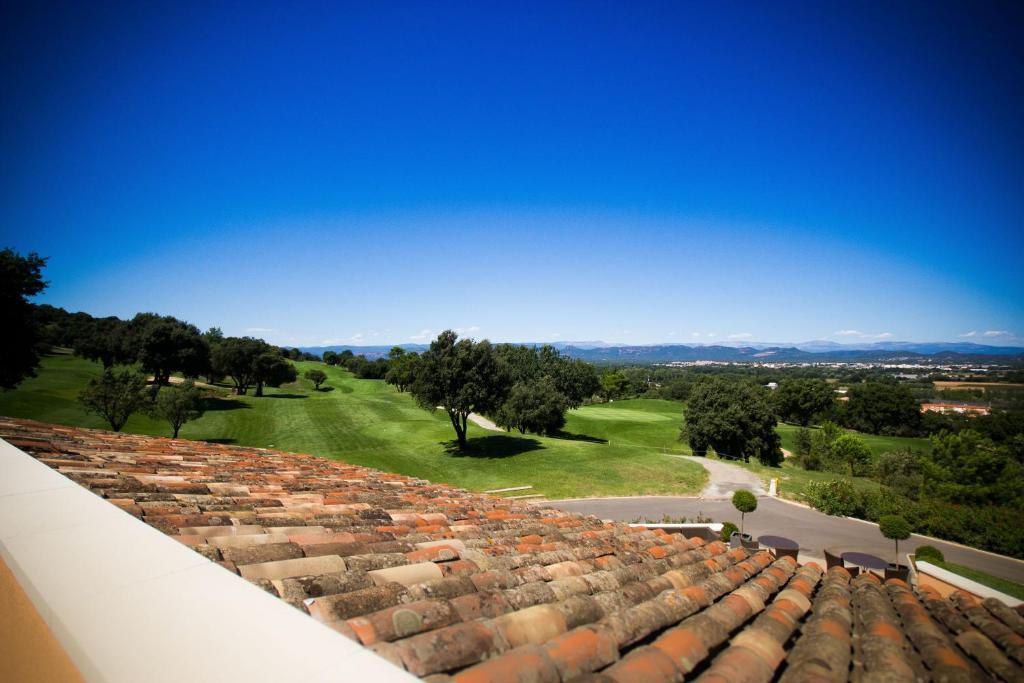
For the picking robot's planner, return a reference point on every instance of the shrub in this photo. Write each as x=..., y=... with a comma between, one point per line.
x=929, y=553
x=728, y=529
x=745, y=502
x=835, y=497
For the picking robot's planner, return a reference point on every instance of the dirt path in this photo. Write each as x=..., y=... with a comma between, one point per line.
x=724, y=479
x=481, y=421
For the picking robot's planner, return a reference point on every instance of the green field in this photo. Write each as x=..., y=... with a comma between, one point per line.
x=610, y=449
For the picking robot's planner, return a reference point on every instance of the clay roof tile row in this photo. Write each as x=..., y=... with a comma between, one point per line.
x=453, y=585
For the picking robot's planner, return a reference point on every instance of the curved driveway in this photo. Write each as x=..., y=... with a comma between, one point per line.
x=813, y=530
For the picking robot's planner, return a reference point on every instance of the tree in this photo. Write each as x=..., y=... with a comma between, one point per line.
x=851, y=453
x=179, y=405
x=330, y=357
x=235, y=357
x=968, y=468
x=802, y=443
x=733, y=418
x=613, y=383
x=115, y=396
x=537, y=407
x=105, y=340
x=402, y=370
x=895, y=528
x=270, y=368
x=880, y=408
x=20, y=278
x=461, y=377
x=575, y=379
x=166, y=345
x=744, y=501
x=213, y=338
x=902, y=471
x=316, y=376
x=800, y=400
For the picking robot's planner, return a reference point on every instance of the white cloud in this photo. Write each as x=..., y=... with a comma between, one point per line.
x=997, y=333
x=695, y=334
x=968, y=335
x=740, y=335
x=862, y=335
x=463, y=331
x=556, y=335
x=260, y=330
x=422, y=336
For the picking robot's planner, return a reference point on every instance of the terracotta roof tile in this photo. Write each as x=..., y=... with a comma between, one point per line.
x=452, y=585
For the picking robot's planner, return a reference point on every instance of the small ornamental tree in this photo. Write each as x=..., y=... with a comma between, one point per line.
x=744, y=501
x=728, y=529
x=179, y=405
x=115, y=396
x=317, y=377
x=895, y=528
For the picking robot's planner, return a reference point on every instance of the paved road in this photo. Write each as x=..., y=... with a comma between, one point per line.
x=813, y=530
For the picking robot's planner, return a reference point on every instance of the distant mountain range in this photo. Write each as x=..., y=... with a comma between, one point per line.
x=753, y=352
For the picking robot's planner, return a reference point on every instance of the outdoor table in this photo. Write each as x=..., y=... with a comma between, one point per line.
x=865, y=560
x=781, y=545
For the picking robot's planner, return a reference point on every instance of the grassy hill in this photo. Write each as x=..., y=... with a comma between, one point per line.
x=369, y=423
x=611, y=449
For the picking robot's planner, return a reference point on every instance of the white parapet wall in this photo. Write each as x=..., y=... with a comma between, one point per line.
x=708, y=532
x=927, y=569
x=128, y=603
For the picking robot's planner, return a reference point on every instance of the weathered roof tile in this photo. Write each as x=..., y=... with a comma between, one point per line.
x=453, y=585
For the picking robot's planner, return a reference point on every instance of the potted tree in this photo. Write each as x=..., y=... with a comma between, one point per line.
x=745, y=502
x=898, y=529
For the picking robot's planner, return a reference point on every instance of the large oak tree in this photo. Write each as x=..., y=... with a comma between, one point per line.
x=460, y=377
x=733, y=418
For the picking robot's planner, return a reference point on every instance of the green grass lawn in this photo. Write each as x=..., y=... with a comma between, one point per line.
x=877, y=444
x=1001, y=585
x=608, y=450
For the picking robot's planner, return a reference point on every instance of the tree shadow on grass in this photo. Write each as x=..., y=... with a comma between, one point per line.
x=216, y=404
x=493, y=447
x=285, y=396
x=226, y=442
x=578, y=437
x=324, y=390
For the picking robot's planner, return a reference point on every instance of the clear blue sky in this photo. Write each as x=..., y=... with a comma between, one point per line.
x=632, y=172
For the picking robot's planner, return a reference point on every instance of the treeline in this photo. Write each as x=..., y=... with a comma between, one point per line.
x=969, y=489
x=162, y=346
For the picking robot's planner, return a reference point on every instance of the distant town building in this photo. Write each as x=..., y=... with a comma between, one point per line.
x=954, y=407
x=772, y=385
